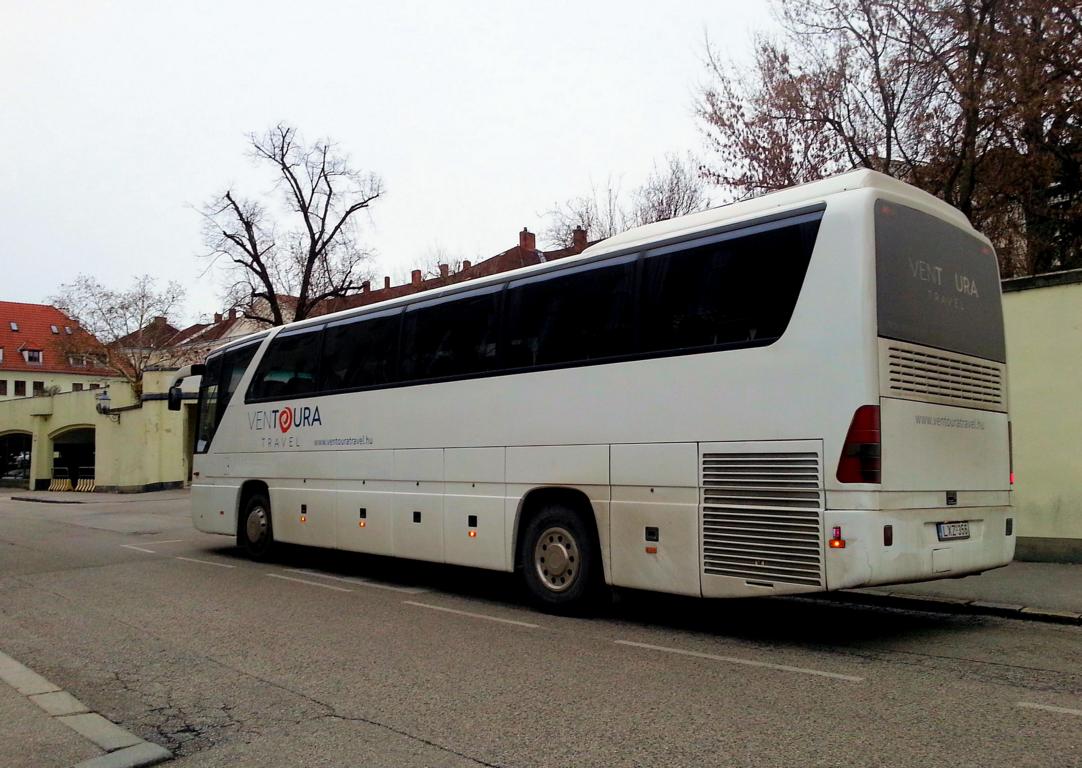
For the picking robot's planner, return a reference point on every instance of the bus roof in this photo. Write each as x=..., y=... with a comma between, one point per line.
x=809, y=193
x=812, y=191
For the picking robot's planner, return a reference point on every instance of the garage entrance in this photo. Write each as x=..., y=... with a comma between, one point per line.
x=73, y=455
x=15, y=459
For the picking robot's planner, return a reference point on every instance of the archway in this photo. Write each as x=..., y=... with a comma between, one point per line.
x=15, y=459
x=73, y=454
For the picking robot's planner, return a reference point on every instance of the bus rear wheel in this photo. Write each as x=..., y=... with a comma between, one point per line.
x=560, y=562
x=255, y=535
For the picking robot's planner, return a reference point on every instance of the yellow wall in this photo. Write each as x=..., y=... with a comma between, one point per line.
x=62, y=380
x=1044, y=370
x=138, y=449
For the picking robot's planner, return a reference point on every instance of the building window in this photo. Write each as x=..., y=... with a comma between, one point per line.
x=67, y=330
x=39, y=388
x=32, y=356
x=14, y=326
x=95, y=386
x=20, y=389
x=3, y=387
x=1, y=354
x=76, y=387
x=54, y=329
x=77, y=361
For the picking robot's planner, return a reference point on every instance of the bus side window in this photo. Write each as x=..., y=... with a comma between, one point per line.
x=234, y=365
x=585, y=315
x=289, y=367
x=451, y=338
x=739, y=290
x=360, y=353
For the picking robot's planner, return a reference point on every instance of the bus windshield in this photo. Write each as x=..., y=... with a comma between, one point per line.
x=220, y=379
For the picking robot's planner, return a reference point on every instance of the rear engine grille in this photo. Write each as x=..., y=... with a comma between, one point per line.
x=761, y=517
x=943, y=377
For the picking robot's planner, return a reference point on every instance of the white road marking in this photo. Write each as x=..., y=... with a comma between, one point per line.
x=204, y=562
x=359, y=582
x=139, y=549
x=167, y=541
x=471, y=615
x=305, y=581
x=1050, y=708
x=744, y=662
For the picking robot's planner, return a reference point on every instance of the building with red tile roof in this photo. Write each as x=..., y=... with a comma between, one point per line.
x=42, y=349
x=524, y=254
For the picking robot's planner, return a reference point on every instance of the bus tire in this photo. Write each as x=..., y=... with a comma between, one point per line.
x=561, y=562
x=255, y=533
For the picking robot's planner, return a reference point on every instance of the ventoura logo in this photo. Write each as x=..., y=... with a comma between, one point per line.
x=284, y=419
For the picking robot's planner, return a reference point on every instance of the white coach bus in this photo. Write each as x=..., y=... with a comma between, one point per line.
x=797, y=393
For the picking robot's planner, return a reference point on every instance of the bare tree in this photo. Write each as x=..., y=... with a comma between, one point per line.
x=122, y=330
x=599, y=213
x=975, y=101
x=673, y=189
x=313, y=257
x=436, y=258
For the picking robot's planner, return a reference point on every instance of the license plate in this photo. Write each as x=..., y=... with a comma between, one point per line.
x=948, y=531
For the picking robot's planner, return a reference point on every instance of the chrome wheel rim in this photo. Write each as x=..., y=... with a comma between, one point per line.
x=256, y=525
x=556, y=558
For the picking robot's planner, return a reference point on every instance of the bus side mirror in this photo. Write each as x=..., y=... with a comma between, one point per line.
x=198, y=369
x=175, y=396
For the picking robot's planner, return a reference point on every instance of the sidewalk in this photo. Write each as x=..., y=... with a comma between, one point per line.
x=30, y=738
x=42, y=726
x=1039, y=591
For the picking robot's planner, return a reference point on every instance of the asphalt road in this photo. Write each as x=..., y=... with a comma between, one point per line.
x=323, y=659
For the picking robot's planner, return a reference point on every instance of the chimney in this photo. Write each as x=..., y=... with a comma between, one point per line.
x=233, y=314
x=466, y=265
x=526, y=240
x=415, y=277
x=217, y=317
x=366, y=286
x=445, y=270
x=578, y=239
x=159, y=320
x=386, y=282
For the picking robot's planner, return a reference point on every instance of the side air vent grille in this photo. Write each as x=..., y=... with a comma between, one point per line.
x=762, y=517
x=944, y=377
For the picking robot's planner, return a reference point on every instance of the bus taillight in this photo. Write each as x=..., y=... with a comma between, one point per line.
x=861, y=455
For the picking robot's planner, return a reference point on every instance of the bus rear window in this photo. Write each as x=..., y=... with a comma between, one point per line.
x=936, y=284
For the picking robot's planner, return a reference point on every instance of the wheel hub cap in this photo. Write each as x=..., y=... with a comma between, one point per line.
x=257, y=525
x=556, y=558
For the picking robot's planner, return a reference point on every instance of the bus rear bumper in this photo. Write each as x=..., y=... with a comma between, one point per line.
x=915, y=551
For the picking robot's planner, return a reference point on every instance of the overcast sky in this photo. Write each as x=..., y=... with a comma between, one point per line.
x=118, y=117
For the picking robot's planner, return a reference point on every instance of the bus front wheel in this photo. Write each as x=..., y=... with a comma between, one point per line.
x=560, y=562
x=255, y=534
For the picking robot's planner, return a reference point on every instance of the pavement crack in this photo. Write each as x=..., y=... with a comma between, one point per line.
x=412, y=737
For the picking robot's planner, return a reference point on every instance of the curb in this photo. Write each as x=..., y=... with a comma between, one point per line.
x=936, y=604
x=123, y=749
x=45, y=501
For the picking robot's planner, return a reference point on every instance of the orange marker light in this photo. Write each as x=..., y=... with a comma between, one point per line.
x=837, y=543
x=651, y=550
x=361, y=523
x=836, y=540
x=473, y=534
x=304, y=519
